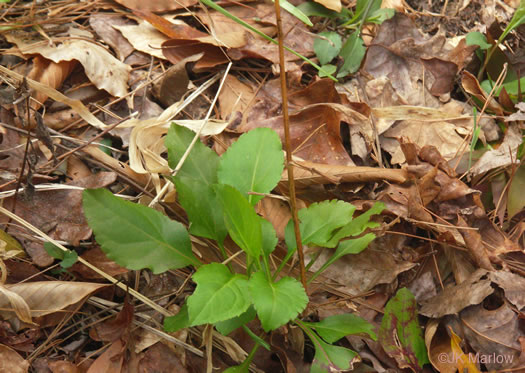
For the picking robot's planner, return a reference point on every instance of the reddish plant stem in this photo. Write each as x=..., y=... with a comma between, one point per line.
x=287, y=145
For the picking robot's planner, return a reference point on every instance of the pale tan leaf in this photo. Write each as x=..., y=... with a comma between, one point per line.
x=11, y=361
x=503, y=156
x=45, y=297
x=102, y=69
x=18, y=304
x=144, y=37
x=445, y=136
x=331, y=4
x=76, y=105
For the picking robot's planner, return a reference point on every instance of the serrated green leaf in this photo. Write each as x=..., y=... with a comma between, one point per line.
x=243, y=224
x=254, y=163
x=53, y=251
x=202, y=162
x=319, y=222
x=70, y=258
x=136, y=236
x=400, y=334
x=269, y=237
x=357, y=225
x=352, y=246
x=477, y=38
x=180, y=321
x=193, y=183
x=220, y=295
x=333, y=328
x=278, y=302
x=228, y=326
x=352, y=53
x=327, y=47
x=330, y=358
x=203, y=208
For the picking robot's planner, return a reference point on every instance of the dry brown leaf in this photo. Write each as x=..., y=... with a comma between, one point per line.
x=363, y=271
x=46, y=297
x=503, y=156
x=315, y=132
x=97, y=258
x=396, y=54
x=104, y=25
x=157, y=5
x=58, y=213
x=445, y=136
x=114, y=328
x=76, y=169
x=475, y=245
x=235, y=96
x=493, y=332
x=49, y=73
x=455, y=298
x=160, y=358
x=76, y=105
x=471, y=85
x=102, y=69
x=172, y=86
x=438, y=345
x=444, y=75
x=513, y=285
x=176, y=50
x=11, y=361
x=276, y=212
x=62, y=366
x=111, y=360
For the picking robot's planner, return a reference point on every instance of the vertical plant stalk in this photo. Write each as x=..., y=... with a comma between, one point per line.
x=288, y=147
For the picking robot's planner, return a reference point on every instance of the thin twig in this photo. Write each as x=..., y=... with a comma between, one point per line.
x=288, y=146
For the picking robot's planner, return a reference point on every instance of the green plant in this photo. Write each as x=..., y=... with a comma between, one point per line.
x=67, y=258
x=400, y=334
x=329, y=45
x=219, y=195
x=486, y=51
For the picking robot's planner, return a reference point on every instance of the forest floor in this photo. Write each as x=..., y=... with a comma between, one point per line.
x=404, y=127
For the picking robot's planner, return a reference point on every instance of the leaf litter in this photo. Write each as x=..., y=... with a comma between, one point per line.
x=415, y=128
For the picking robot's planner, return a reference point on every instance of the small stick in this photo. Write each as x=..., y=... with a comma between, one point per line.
x=288, y=147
